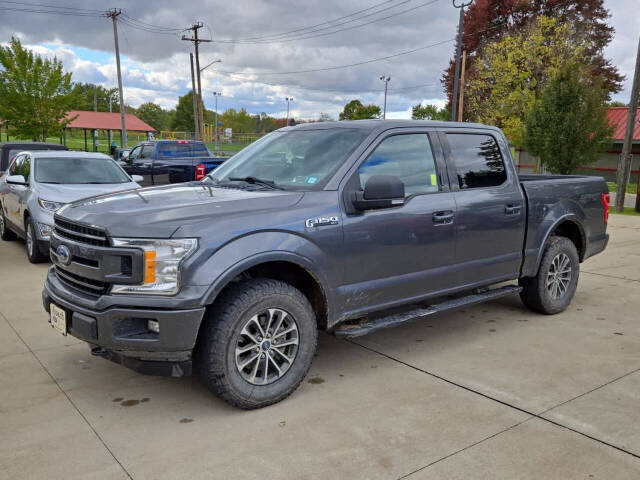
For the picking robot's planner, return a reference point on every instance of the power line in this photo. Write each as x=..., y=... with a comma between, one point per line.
x=307, y=34
x=57, y=7
x=323, y=23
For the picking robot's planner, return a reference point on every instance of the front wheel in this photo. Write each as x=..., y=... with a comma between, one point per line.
x=257, y=343
x=552, y=289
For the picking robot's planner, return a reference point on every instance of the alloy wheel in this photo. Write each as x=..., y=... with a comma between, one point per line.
x=559, y=276
x=267, y=346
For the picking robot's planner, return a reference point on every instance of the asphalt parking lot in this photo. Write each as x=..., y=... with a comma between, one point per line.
x=493, y=391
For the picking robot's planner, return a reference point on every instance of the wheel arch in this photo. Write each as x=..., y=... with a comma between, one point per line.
x=569, y=227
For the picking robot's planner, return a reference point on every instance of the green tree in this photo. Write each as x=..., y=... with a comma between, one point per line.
x=182, y=120
x=83, y=96
x=567, y=126
x=513, y=71
x=35, y=93
x=355, y=110
x=154, y=115
x=429, y=112
x=240, y=120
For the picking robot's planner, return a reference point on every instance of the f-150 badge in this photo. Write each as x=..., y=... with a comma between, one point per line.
x=321, y=221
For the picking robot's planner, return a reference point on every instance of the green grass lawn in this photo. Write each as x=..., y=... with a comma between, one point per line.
x=627, y=211
x=631, y=188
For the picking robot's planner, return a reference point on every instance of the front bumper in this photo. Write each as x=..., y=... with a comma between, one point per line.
x=119, y=332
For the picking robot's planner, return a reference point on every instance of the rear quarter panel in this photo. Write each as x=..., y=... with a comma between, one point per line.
x=554, y=199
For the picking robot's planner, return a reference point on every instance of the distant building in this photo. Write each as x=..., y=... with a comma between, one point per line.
x=607, y=164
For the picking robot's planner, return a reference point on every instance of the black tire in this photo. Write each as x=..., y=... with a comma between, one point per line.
x=222, y=337
x=543, y=297
x=5, y=233
x=31, y=243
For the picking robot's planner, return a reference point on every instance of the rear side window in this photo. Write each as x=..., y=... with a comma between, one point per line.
x=477, y=160
x=177, y=150
x=408, y=157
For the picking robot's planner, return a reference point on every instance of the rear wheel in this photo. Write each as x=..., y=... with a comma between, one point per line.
x=31, y=241
x=257, y=343
x=5, y=233
x=552, y=289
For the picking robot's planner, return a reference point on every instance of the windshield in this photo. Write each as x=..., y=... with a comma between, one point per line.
x=293, y=160
x=79, y=170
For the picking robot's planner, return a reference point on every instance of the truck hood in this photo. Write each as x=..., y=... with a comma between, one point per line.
x=157, y=212
x=67, y=193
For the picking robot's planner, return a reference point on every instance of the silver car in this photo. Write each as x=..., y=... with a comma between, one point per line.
x=38, y=183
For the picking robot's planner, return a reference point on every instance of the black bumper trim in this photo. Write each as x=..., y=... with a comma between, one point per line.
x=165, y=368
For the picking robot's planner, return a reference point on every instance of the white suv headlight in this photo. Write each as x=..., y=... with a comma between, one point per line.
x=49, y=205
x=161, y=269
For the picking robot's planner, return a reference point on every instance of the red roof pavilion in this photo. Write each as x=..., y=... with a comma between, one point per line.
x=106, y=121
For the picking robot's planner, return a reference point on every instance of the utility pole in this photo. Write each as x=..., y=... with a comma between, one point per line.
x=215, y=125
x=113, y=14
x=386, y=81
x=288, y=99
x=197, y=41
x=195, y=100
x=456, y=80
x=624, y=163
x=461, y=101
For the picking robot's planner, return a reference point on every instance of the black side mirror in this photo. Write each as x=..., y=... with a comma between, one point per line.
x=380, y=191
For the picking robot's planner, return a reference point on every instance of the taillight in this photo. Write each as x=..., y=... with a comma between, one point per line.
x=605, y=203
x=200, y=172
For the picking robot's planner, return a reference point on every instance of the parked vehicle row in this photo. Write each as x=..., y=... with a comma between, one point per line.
x=39, y=182
x=348, y=227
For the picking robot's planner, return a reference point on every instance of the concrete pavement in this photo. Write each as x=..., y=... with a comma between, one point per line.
x=492, y=391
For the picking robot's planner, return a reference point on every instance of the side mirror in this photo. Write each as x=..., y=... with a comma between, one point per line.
x=16, y=180
x=137, y=178
x=380, y=191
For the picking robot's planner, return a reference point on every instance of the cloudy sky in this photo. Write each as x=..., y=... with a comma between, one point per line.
x=256, y=39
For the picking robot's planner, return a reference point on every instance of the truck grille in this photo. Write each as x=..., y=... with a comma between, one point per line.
x=80, y=233
x=87, y=285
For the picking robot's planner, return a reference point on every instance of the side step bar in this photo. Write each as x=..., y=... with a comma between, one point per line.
x=368, y=325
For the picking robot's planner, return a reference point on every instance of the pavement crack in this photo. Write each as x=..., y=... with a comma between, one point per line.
x=610, y=276
x=53, y=379
x=502, y=402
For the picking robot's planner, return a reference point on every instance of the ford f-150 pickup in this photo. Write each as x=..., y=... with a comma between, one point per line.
x=347, y=227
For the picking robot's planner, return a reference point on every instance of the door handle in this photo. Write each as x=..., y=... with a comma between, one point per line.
x=512, y=209
x=443, y=218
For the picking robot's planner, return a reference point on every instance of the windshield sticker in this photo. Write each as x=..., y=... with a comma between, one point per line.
x=312, y=180
x=434, y=181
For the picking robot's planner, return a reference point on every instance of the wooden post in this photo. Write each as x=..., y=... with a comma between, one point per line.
x=460, y=104
x=624, y=165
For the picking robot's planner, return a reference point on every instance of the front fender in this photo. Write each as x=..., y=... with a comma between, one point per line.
x=242, y=253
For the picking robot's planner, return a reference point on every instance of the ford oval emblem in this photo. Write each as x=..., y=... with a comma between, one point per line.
x=64, y=255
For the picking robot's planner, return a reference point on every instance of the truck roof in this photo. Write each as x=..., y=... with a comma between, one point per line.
x=375, y=124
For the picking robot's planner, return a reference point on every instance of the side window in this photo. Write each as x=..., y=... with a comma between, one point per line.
x=25, y=168
x=135, y=153
x=408, y=157
x=477, y=160
x=13, y=168
x=147, y=151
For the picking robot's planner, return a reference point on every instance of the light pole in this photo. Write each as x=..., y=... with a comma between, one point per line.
x=200, y=101
x=386, y=81
x=215, y=125
x=288, y=99
x=456, y=79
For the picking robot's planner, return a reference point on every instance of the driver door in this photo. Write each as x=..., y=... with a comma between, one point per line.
x=401, y=254
x=12, y=199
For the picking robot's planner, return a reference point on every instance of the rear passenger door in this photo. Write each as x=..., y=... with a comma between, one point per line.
x=490, y=210
x=396, y=255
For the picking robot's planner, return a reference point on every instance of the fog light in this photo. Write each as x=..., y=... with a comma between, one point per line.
x=45, y=230
x=153, y=326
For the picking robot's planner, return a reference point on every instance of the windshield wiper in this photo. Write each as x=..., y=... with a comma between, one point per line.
x=256, y=181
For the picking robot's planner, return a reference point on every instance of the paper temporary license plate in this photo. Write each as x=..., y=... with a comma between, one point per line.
x=58, y=319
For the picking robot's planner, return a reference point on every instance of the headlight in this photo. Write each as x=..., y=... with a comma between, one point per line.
x=161, y=269
x=49, y=205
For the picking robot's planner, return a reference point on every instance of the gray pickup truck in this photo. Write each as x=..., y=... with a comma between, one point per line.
x=347, y=227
